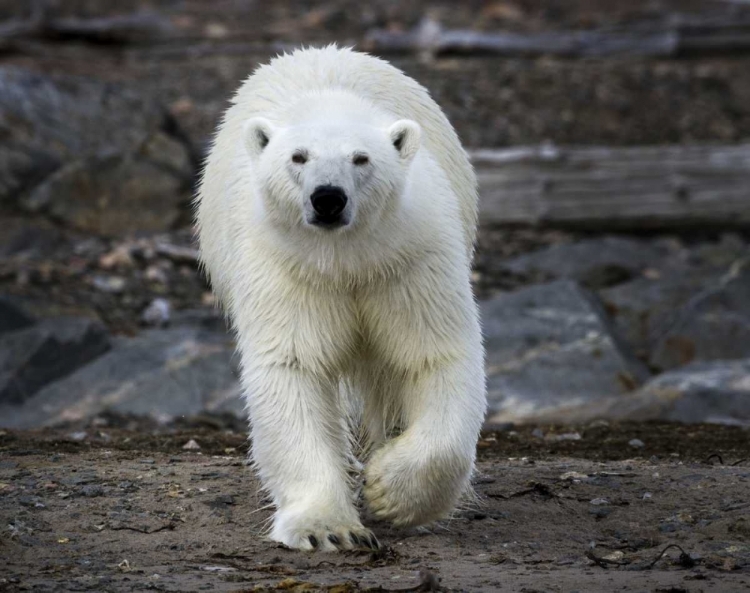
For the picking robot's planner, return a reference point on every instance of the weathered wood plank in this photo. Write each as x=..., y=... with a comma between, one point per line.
x=678, y=37
x=122, y=29
x=598, y=188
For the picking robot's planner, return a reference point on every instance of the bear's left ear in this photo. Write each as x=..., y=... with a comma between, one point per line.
x=405, y=135
x=258, y=133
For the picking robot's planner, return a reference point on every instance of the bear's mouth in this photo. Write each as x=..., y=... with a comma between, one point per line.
x=329, y=222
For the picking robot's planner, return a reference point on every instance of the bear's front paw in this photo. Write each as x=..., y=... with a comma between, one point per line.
x=309, y=531
x=409, y=487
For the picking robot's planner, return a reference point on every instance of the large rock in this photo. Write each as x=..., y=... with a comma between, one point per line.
x=12, y=317
x=686, y=314
x=160, y=373
x=713, y=325
x=701, y=392
x=716, y=392
x=549, y=346
x=641, y=307
x=33, y=357
x=109, y=195
x=78, y=130
x=595, y=263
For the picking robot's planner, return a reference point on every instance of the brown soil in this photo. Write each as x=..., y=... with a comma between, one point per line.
x=125, y=510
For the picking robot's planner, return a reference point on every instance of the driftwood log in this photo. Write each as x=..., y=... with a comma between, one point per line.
x=658, y=187
x=117, y=29
x=675, y=38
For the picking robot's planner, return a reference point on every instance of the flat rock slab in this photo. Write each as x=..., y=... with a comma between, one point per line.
x=74, y=511
x=711, y=392
x=700, y=392
x=160, y=374
x=552, y=345
x=32, y=357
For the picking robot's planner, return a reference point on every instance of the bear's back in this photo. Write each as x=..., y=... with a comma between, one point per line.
x=273, y=86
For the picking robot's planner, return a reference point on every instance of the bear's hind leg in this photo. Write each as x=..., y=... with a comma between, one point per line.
x=299, y=448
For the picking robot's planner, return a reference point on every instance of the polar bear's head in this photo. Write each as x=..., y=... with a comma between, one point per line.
x=330, y=174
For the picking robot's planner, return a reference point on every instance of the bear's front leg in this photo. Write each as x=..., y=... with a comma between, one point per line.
x=299, y=448
x=419, y=476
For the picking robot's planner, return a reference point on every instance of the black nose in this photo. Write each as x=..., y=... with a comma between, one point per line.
x=329, y=202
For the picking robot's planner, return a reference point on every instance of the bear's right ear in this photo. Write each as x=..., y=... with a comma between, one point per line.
x=258, y=133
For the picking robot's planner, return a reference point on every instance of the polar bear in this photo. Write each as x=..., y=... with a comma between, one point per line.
x=336, y=219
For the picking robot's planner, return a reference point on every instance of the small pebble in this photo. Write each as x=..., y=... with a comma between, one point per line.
x=573, y=476
x=156, y=274
x=218, y=568
x=118, y=257
x=568, y=436
x=92, y=491
x=157, y=314
x=600, y=511
x=636, y=443
x=111, y=284
x=599, y=424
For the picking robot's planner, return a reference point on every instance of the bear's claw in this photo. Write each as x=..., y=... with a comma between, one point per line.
x=365, y=540
x=324, y=534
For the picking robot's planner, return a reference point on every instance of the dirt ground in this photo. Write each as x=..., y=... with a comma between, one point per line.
x=112, y=509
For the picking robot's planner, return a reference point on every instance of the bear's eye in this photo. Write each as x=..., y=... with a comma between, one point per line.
x=360, y=159
x=299, y=157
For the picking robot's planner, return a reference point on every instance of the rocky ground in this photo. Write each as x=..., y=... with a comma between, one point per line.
x=622, y=507
x=113, y=355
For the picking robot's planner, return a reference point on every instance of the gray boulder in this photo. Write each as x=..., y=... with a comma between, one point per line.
x=685, y=315
x=162, y=374
x=109, y=195
x=641, y=307
x=712, y=325
x=701, y=392
x=12, y=317
x=68, y=142
x=595, y=263
x=550, y=346
x=716, y=392
x=31, y=358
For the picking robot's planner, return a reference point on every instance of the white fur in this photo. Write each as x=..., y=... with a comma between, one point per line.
x=374, y=322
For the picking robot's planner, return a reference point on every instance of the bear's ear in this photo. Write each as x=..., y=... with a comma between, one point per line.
x=258, y=133
x=405, y=136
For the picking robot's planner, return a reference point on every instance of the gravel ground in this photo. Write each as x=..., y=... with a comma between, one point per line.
x=559, y=509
